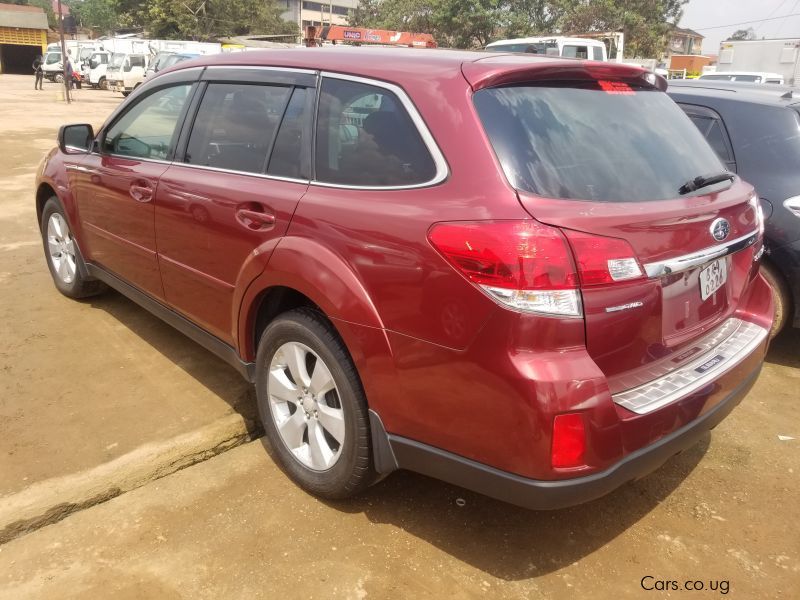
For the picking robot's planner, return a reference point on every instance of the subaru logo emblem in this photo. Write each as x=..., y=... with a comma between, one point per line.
x=720, y=229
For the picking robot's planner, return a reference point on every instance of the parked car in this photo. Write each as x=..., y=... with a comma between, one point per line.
x=746, y=124
x=157, y=63
x=417, y=268
x=743, y=77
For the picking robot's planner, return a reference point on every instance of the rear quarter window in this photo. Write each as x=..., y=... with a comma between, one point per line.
x=365, y=138
x=577, y=141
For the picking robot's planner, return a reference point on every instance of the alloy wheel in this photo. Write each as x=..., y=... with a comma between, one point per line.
x=305, y=406
x=61, y=248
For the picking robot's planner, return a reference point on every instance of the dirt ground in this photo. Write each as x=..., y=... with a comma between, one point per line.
x=85, y=382
x=81, y=383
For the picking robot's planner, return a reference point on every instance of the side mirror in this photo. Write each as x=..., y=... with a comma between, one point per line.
x=75, y=139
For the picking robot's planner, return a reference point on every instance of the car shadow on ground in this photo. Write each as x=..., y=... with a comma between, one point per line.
x=513, y=543
x=500, y=539
x=785, y=348
x=203, y=366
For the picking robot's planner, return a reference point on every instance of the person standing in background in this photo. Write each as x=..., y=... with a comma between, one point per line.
x=38, y=73
x=68, y=69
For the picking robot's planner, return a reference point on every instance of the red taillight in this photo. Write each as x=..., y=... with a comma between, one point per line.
x=603, y=260
x=524, y=264
x=569, y=441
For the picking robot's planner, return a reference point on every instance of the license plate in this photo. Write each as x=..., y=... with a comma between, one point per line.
x=713, y=277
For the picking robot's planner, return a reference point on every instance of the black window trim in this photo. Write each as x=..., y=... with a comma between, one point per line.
x=439, y=161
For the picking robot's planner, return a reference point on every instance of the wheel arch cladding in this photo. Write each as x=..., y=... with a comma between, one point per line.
x=307, y=270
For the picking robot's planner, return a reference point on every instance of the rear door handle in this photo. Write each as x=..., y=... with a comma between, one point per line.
x=255, y=220
x=141, y=193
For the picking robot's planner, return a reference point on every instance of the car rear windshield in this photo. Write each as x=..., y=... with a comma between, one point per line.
x=601, y=141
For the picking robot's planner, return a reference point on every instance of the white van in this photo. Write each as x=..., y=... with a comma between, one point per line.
x=747, y=76
x=567, y=47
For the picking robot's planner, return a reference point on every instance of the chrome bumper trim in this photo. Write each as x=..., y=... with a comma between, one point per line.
x=736, y=339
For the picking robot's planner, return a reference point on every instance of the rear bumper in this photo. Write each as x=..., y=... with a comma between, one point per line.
x=544, y=495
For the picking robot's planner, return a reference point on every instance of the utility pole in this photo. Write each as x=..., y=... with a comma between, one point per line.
x=63, y=53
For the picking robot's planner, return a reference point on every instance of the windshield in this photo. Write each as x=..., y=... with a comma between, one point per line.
x=586, y=142
x=117, y=60
x=548, y=48
x=52, y=58
x=85, y=53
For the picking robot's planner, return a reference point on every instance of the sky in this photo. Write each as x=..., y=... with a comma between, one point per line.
x=703, y=15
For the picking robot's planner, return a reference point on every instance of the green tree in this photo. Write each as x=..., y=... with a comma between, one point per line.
x=210, y=19
x=534, y=17
x=743, y=34
x=473, y=23
x=103, y=16
x=646, y=23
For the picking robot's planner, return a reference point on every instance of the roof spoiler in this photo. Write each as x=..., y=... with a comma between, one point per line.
x=511, y=69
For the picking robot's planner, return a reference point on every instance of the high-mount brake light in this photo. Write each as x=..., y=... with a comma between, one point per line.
x=615, y=87
x=524, y=265
x=603, y=260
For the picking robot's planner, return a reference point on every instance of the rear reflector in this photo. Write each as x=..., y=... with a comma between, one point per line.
x=523, y=264
x=602, y=260
x=569, y=441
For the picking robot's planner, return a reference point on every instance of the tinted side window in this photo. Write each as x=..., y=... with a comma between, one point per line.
x=291, y=154
x=717, y=139
x=147, y=130
x=366, y=138
x=710, y=125
x=235, y=126
x=597, y=53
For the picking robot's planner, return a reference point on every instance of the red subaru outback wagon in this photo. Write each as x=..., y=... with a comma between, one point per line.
x=526, y=276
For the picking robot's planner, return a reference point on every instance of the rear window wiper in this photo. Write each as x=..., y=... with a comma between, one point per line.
x=702, y=181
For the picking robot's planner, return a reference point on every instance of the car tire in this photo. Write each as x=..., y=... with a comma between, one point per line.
x=781, y=297
x=63, y=255
x=318, y=431
x=103, y=84
x=59, y=78
x=125, y=94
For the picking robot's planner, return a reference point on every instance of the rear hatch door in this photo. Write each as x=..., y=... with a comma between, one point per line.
x=616, y=159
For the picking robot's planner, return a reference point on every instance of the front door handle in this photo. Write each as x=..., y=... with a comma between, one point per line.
x=141, y=193
x=255, y=220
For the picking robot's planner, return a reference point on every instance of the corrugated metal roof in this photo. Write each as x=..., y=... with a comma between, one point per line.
x=27, y=17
